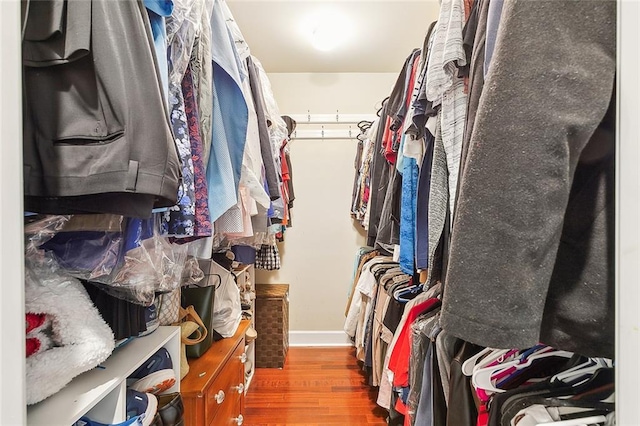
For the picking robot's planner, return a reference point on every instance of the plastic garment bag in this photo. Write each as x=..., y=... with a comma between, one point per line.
x=227, y=310
x=128, y=256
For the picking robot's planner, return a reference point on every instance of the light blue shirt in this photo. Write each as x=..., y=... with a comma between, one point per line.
x=157, y=11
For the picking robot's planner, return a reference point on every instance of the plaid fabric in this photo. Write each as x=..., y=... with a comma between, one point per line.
x=268, y=258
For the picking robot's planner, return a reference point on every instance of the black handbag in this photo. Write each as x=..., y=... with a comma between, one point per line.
x=202, y=297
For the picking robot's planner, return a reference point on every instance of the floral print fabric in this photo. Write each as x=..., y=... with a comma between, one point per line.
x=202, y=221
x=178, y=221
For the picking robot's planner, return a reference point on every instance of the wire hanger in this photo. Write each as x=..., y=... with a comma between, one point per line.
x=382, y=106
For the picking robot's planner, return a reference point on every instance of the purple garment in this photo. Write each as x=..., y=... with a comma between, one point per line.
x=244, y=254
x=86, y=252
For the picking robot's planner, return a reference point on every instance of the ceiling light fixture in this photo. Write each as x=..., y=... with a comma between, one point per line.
x=329, y=31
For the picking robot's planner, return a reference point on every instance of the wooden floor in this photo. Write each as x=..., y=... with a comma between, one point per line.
x=318, y=386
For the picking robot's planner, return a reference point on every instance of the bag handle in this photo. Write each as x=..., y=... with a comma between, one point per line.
x=215, y=286
x=189, y=314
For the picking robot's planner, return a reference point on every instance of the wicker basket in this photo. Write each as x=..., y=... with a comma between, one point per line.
x=272, y=325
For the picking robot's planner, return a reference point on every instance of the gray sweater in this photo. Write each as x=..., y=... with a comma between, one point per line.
x=532, y=243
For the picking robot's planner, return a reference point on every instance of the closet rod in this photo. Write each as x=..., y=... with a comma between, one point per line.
x=350, y=133
x=337, y=138
x=337, y=118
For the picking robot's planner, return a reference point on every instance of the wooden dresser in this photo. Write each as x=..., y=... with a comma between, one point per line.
x=213, y=391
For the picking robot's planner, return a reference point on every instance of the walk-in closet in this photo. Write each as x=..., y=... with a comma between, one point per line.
x=309, y=212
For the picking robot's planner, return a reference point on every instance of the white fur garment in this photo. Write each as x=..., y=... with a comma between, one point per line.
x=80, y=337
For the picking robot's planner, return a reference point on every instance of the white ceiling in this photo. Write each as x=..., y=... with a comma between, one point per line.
x=383, y=33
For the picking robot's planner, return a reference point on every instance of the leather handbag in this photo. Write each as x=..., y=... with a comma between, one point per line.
x=201, y=298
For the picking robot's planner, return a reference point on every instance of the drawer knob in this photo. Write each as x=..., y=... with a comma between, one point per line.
x=240, y=388
x=219, y=397
x=243, y=358
x=239, y=420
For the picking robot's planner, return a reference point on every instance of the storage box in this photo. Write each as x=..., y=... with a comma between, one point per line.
x=272, y=325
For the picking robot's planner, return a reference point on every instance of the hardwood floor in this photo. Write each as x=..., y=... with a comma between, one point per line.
x=318, y=386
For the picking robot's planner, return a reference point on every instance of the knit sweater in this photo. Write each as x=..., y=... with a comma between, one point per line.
x=531, y=255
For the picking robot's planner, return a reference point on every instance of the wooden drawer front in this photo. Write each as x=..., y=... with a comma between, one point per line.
x=229, y=382
x=228, y=412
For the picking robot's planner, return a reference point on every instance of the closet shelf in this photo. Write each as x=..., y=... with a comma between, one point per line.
x=88, y=389
x=242, y=269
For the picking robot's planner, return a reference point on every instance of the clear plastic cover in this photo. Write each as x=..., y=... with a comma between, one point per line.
x=128, y=256
x=191, y=273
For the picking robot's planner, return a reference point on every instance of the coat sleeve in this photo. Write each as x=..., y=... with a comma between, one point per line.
x=548, y=89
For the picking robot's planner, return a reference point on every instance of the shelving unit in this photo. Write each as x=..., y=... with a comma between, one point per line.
x=100, y=394
x=245, y=277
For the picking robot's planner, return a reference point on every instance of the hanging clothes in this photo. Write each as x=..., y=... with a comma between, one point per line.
x=158, y=10
x=230, y=127
x=542, y=246
x=179, y=220
x=104, y=146
x=268, y=156
x=201, y=222
x=202, y=69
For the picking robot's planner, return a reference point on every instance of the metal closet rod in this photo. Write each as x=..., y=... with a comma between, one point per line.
x=325, y=134
x=337, y=118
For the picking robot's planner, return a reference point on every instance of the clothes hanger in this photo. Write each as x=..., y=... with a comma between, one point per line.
x=482, y=378
x=502, y=375
x=413, y=290
x=382, y=106
x=539, y=370
x=364, y=125
x=497, y=356
x=467, y=366
x=601, y=377
x=584, y=370
x=585, y=421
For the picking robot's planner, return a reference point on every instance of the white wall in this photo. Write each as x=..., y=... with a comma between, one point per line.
x=628, y=208
x=12, y=349
x=318, y=252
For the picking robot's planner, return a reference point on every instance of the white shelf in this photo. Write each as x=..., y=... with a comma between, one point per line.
x=105, y=384
x=246, y=275
x=248, y=381
x=250, y=350
x=241, y=270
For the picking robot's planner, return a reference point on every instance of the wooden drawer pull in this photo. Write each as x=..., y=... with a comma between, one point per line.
x=239, y=420
x=219, y=397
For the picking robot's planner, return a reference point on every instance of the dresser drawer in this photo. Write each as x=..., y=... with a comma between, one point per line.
x=223, y=396
x=228, y=413
x=211, y=390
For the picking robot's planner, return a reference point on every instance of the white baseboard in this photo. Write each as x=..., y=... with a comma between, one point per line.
x=318, y=338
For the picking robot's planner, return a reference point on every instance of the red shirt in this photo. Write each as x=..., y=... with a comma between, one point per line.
x=399, y=360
